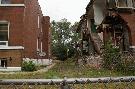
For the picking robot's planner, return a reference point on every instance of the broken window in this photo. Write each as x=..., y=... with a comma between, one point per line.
x=85, y=47
x=3, y=33
x=5, y=1
x=111, y=3
x=93, y=26
x=134, y=3
x=124, y=3
x=3, y=63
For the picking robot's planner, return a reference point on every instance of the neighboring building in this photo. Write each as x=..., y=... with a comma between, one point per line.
x=24, y=33
x=109, y=20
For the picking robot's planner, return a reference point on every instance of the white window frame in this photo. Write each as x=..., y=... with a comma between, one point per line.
x=37, y=45
x=5, y=22
x=41, y=46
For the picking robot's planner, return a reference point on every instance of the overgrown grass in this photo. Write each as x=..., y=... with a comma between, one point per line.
x=62, y=69
x=70, y=70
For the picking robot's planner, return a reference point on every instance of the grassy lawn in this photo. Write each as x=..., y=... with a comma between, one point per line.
x=60, y=70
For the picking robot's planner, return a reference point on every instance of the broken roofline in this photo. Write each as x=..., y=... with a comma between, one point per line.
x=89, y=5
x=84, y=16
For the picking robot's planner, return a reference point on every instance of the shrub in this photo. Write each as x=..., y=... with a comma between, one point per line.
x=28, y=66
x=60, y=51
x=112, y=57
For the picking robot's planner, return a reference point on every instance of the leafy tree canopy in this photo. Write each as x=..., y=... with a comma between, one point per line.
x=64, y=36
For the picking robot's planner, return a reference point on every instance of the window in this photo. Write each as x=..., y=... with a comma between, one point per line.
x=124, y=3
x=4, y=33
x=5, y=1
x=93, y=26
x=3, y=63
x=41, y=46
x=134, y=3
x=111, y=3
x=38, y=45
x=38, y=22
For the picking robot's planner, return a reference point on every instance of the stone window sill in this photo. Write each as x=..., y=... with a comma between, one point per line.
x=12, y=5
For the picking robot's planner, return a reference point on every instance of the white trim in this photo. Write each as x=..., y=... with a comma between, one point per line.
x=8, y=31
x=125, y=7
x=14, y=5
x=133, y=47
x=39, y=61
x=3, y=21
x=11, y=47
x=41, y=29
x=4, y=42
x=41, y=46
x=37, y=45
x=10, y=69
x=38, y=21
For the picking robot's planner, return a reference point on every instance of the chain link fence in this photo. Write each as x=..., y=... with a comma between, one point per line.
x=73, y=83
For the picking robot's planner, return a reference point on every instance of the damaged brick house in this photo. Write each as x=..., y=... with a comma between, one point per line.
x=108, y=20
x=24, y=33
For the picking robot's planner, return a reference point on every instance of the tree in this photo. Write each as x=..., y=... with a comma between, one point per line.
x=63, y=38
x=61, y=31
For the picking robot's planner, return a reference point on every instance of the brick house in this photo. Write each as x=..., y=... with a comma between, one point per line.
x=24, y=33
x=109, y=20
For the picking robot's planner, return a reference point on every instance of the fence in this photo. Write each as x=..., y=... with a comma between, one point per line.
x=73, y=83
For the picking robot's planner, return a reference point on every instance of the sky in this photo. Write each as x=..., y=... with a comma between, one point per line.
x=72, y=10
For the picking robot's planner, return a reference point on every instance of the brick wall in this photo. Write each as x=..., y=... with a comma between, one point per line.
x=17, y=1
x=46, y=36
x=13, y=57
x=129, y=18
x=32, y=30
x=14, y=15
x=24, y=29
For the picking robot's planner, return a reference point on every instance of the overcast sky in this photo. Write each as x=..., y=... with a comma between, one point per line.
x=69, y=9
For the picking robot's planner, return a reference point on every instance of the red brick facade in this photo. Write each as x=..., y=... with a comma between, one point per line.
x=27, y=25
x=46, y=35
x=129, y=18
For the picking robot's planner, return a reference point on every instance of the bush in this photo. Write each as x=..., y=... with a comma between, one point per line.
x=60, y=51
x=28, y=66
x=71, y=52
x=115, y=60
x=112, y=57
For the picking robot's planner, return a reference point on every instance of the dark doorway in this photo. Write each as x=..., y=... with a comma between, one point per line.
x=3, y=63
